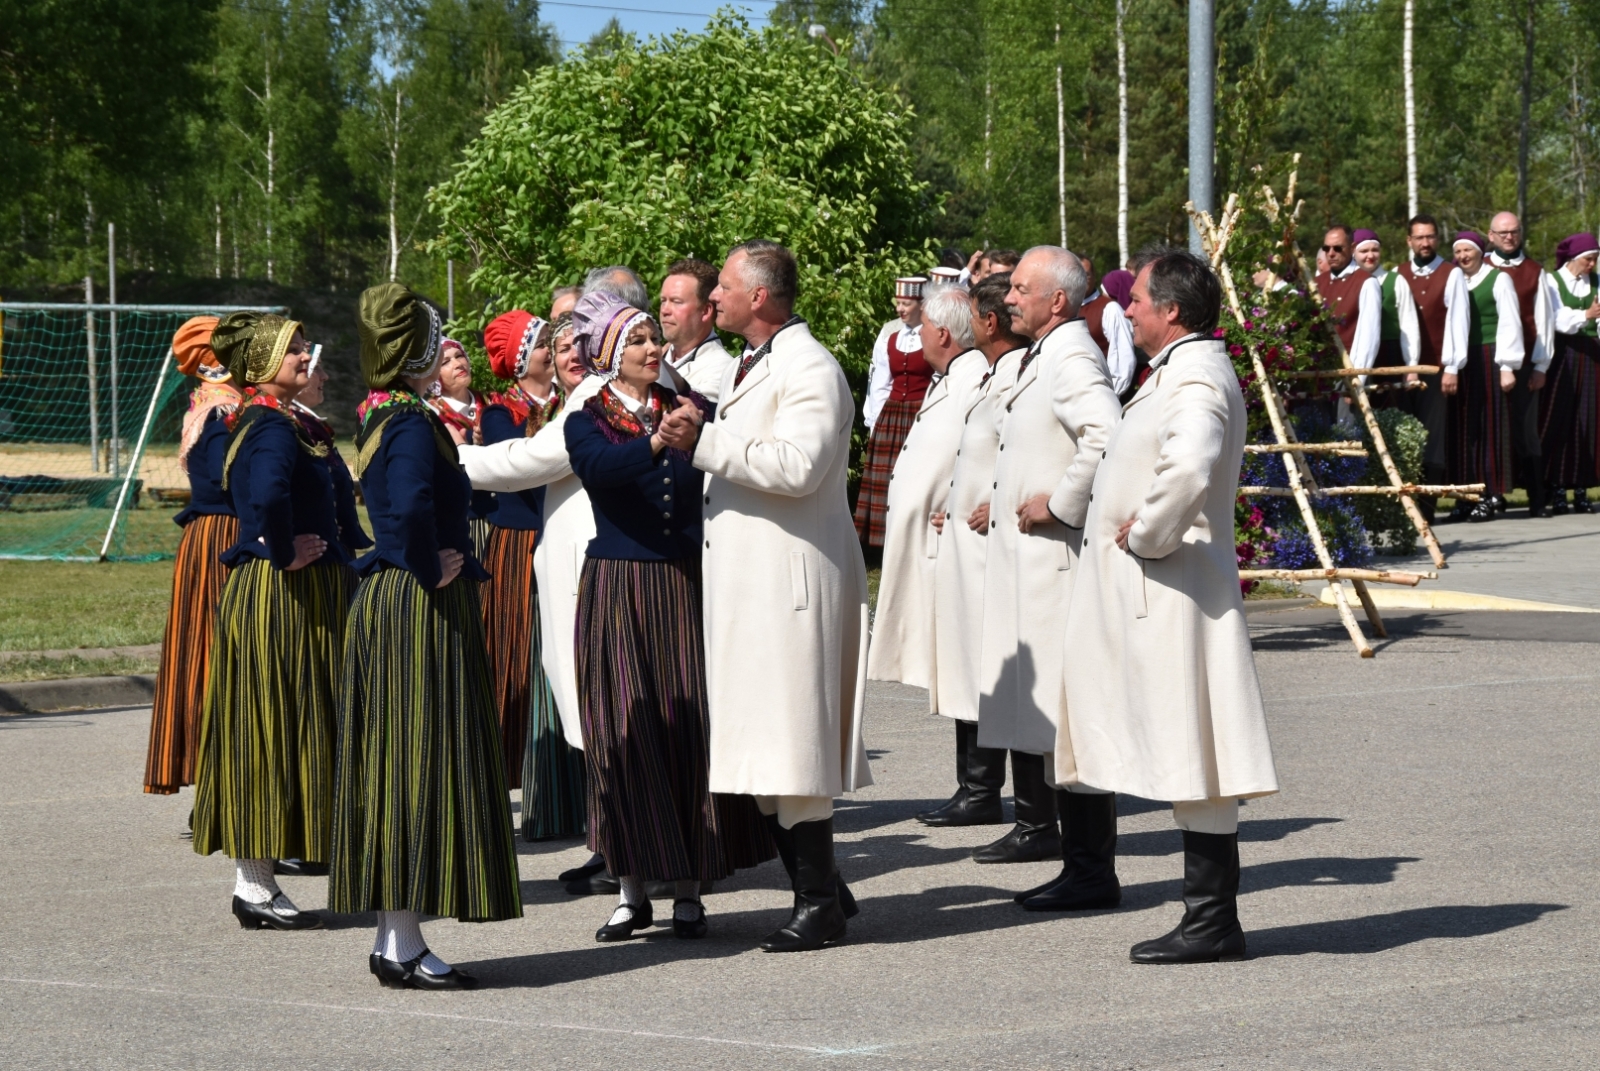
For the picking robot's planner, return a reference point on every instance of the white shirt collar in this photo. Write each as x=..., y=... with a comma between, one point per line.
x=1431, y=267
x=633, y=405
x=466, y=408
x=675, y=361
x=1501, y=262
x=1349, y=270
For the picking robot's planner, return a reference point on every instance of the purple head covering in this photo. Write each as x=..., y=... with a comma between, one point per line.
x=1118, y=286
x=1471, y=236
x=1574, y=246
x=600, y=325
x=1362, y=234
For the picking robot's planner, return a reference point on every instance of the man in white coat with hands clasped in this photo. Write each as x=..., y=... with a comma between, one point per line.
x=1165, y=703
x=785, y=583
x=1052, y=424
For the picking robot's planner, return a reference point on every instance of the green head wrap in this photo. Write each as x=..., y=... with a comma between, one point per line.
x=400, y=335
x=251, y=345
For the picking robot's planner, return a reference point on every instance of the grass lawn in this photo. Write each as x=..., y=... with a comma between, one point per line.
x=61, y=605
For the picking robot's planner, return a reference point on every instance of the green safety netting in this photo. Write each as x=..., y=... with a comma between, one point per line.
x=68, y=453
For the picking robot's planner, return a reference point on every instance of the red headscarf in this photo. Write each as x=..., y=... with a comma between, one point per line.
x=510, y=338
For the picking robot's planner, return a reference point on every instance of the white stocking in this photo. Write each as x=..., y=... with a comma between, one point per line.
x=403, y=941
x=253, y=882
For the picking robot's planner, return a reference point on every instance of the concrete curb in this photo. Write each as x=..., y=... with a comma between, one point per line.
x=76, y=693
x=1425, y=599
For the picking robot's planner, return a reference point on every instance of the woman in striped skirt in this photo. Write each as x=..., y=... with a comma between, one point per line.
x=896, y=384
x=518, y=345
x=461, y=409
x=420, y=825
x=265, y=777
x=641, y=659
x=209, y=528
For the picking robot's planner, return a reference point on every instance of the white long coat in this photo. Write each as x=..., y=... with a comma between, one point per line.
x=1163, y=701
x=541, y=461
x=785, y=584
x=958, y=570
x=1053, y=424
x=902, y=628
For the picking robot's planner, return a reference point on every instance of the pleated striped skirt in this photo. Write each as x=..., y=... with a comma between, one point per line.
x=1480, y=425
x=889, y=433
x=180, y=698
x=264, y=781
x=552, y=769
x=421, y=818
x=1569, y=414
x=508, y=613
x=642, y=689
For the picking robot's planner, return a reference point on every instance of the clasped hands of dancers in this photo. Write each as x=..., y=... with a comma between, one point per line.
x=694, y=537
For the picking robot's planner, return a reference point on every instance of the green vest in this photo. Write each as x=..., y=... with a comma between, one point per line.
x=1573, y=302
x=1391, y=310
x=1485, y=318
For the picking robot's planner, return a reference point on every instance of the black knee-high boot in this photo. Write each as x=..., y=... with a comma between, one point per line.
x=1088, y=880
x=980, y=775
x=784, y=839
x=818, y=917
x=1210, y=928
x=1035, y=837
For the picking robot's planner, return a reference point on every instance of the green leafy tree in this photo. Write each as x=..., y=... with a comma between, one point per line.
x=643, y=153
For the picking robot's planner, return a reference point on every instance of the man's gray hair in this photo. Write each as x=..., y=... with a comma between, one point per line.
x=951, y=309
x=770, y=265
x=1063, y=271
x=620, y=281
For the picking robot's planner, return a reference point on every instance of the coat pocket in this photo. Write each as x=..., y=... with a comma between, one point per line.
x=930, y=539
x=797, y=579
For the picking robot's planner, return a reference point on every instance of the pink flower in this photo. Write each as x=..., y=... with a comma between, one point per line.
x=1249, y=326
x=1236, y=349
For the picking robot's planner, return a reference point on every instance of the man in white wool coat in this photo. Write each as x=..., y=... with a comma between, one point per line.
x=785, y=583
x=1166, y=703
x=1052, y=424
x=902, y=629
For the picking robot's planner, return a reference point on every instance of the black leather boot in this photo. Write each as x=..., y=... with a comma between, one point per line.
x=1035, y=837
x=1210, y=928
x=1533, y=480
x=1558, y=501
x=784, y=839
x=1580, y=500
x=818, y=917
x=981, y=774
x=1088, y=880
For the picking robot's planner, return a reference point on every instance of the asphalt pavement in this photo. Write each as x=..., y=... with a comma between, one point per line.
x=1421, y=895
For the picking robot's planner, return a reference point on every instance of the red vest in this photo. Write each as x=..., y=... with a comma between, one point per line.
x=1343, y=300
x=912, y=373
x=1094, y=315
x=1428, y=291
x=1526, y=278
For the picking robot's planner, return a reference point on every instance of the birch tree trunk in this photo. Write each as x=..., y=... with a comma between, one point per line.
x=1061, y=143
x=1122, y=140
x=1411, y=113
x=394, y=188
x=1527, y=107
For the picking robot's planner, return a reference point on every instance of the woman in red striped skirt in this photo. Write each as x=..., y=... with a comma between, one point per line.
x=518, y=344
x=895, y=387
x=641, y=657
x=209, y=528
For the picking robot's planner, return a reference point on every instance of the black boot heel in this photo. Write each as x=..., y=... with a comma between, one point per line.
x=259, y=916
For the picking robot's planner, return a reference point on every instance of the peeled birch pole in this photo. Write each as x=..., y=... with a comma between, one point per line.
x=1371, y=576
x=1295, y=465
x=1122, y=139
x=1411, y=112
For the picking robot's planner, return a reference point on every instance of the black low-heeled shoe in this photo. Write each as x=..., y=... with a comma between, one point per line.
x=693, y=928
x=410, y=975
x=372, y=963
x=594, y=866
x=640, y=919
x=256, y=916
x=299, y=868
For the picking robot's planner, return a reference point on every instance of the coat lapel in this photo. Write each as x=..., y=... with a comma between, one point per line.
x=760, y=372
x=1024, y=381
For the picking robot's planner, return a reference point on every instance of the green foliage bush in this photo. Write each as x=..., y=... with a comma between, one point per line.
x=1388, y=527
x=641, y=153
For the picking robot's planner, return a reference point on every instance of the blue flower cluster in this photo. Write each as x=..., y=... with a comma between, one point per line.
x=1340, y=524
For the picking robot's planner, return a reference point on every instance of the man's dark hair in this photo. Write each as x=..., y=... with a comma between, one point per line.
x=1179, y=277
x=1008, y=257
x=1349, y=235
x=1421, y=217
x=989, y=298
x=772, y=266
x=705, y=274
x=951, y=257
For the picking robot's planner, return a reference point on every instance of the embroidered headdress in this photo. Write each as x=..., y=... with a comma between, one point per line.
x=400, y=335
x=511, y=339
x=251, y=344
x=600, y=325
x=909, y=286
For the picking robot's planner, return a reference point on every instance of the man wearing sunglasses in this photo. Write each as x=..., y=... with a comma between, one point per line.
x=1353, y=297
